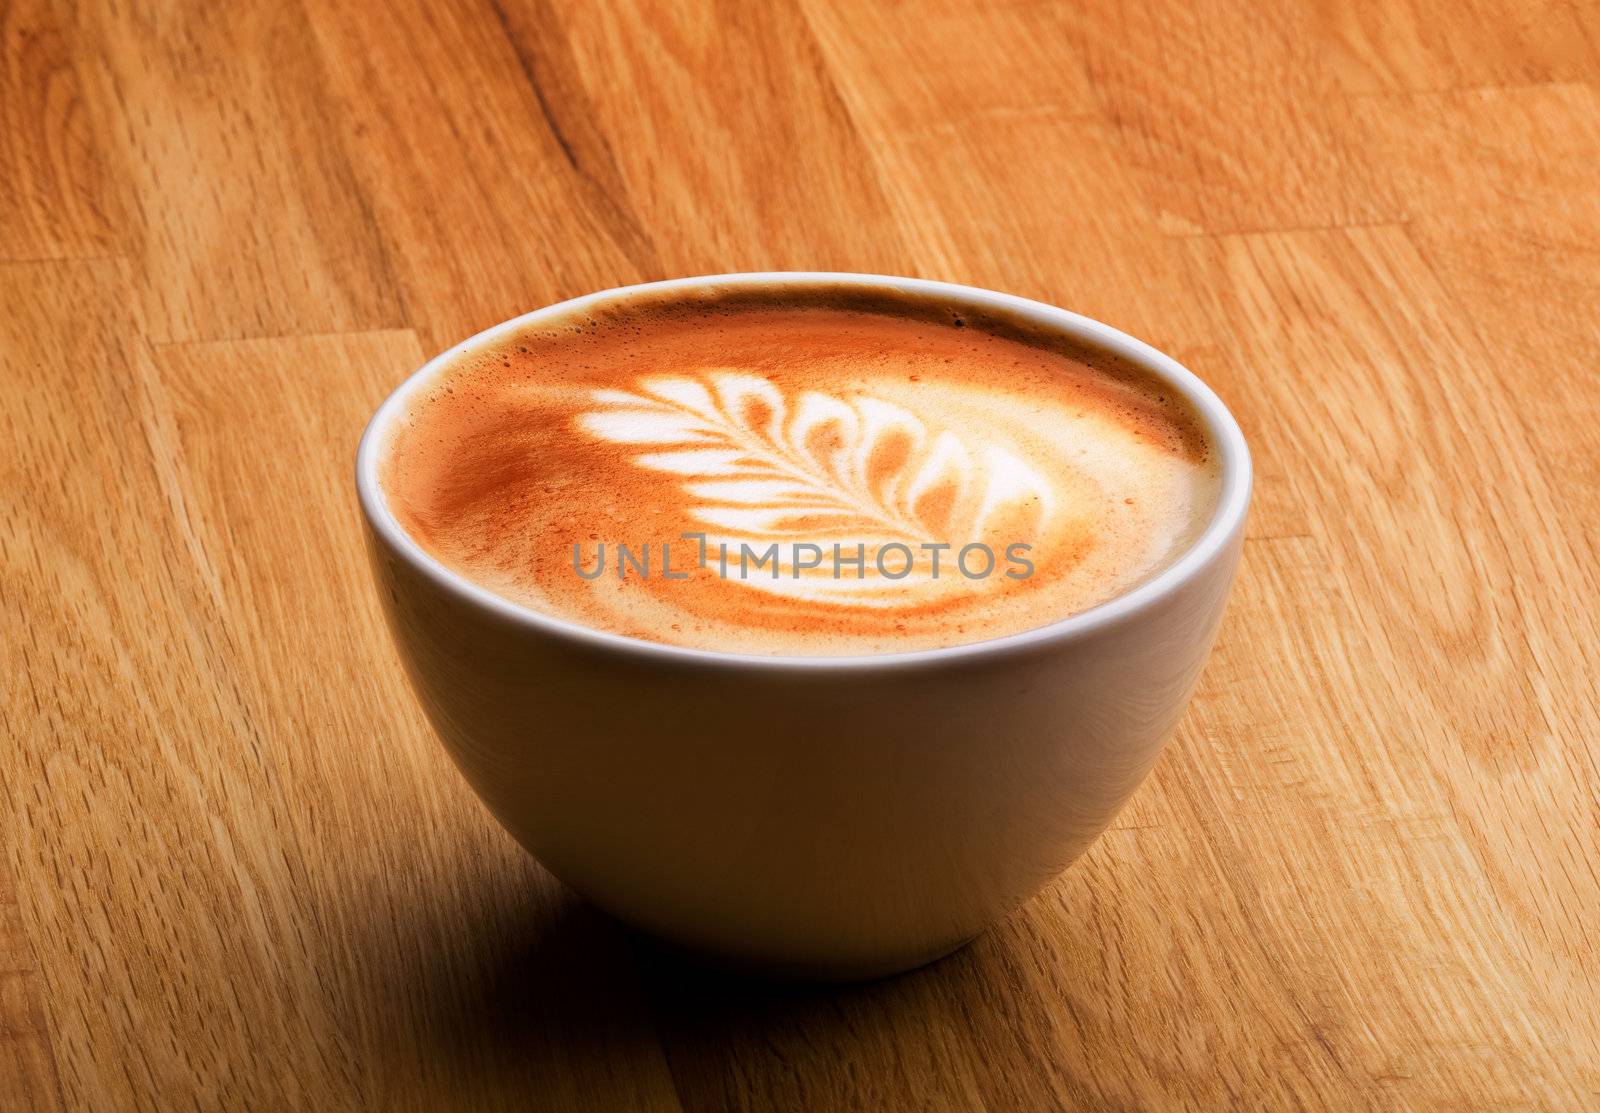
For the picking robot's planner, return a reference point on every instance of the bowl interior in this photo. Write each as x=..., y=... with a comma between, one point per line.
x=1226, y=519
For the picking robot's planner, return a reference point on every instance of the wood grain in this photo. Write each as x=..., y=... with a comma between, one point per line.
x=1406, y=46
x=237, y=870
x=1226, y=111
x=61, y=194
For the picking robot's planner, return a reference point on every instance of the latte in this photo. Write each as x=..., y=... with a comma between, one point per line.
x=817, y=470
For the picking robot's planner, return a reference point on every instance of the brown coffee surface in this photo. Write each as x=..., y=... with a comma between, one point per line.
x=857, y=471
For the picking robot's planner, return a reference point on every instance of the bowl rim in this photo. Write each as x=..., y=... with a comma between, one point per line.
x=1226, y=521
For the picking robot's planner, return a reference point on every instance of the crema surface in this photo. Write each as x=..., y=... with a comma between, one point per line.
x=800, y=472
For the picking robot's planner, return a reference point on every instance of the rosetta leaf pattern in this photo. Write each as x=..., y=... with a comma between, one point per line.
x=759, y=466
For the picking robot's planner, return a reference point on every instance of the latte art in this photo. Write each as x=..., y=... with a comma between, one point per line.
x=840, y=473
x=766, y=475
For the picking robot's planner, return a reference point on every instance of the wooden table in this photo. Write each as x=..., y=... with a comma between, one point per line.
x=239, y=873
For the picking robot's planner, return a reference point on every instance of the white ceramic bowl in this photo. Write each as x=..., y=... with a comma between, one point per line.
x=834, y=817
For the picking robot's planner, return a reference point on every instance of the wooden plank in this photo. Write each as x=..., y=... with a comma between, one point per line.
x=28, y=1080
x=933, y=138
x=73, y=810
x=138, y=790
x=1229, y=113
x=61, y=195
x=1409, y=693
x=908, y=68
x=750, y=144
x=1413, y=45
x=1008, y=178
x=1508, y=216
x=215, y=772
x=250, y=220
x=487, y=177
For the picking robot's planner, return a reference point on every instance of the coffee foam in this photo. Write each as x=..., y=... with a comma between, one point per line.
x=798, y=417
